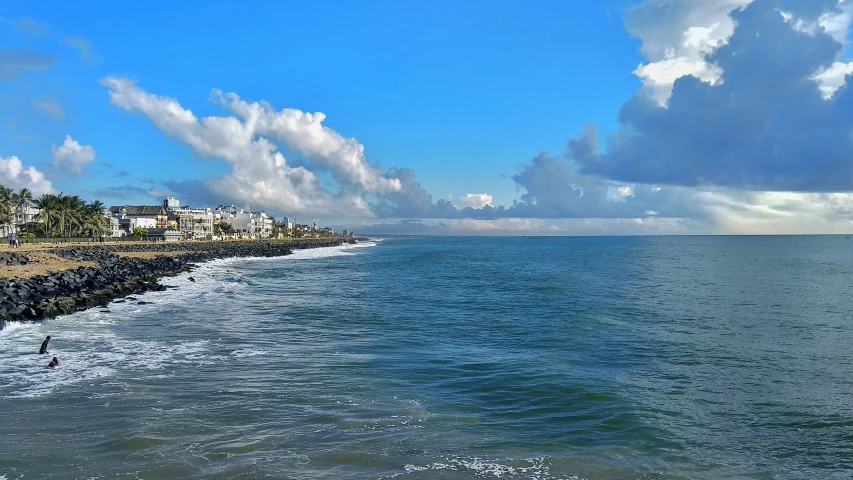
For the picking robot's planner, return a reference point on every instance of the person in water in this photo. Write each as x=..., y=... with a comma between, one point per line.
x=53, y=363
x=43, y=348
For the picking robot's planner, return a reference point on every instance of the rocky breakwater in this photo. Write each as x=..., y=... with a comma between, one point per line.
x=12, y=259
x=116, y=276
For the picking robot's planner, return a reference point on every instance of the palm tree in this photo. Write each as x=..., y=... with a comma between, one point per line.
x=71, y=209
x=22, y=200
x=48, y=204
x=6, y=202
x=93, y=221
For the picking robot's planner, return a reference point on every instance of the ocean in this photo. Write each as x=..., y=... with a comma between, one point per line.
x=454, y=358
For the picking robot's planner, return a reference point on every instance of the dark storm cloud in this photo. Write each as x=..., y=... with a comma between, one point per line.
x=553, y=189
x=766, y=126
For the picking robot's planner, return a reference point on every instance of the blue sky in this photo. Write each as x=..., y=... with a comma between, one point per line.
x=464, y=97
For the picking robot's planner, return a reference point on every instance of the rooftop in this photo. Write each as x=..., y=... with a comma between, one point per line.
x=139, y=210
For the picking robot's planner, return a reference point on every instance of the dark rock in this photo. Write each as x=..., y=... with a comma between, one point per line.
x=114, y=277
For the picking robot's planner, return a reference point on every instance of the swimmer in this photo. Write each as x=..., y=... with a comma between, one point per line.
x=43, y=348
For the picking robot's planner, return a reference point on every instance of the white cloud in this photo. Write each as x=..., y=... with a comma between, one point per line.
x=305, y=133
x=475, y=200
x=536, y=226
x=835, y=22
x=772, y=213
x=15, y=175
x=260, y=173
x=833, y=78
x=71, y=156
x=677, y=35
x=51, y=108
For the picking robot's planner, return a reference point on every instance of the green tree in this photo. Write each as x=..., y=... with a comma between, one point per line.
x=223, y=228
x=94, y=222
x=139, y=232
x=6, y=206
x=48, y=204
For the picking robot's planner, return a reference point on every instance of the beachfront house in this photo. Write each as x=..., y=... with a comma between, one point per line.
x=164, y=235
x=245, y=223
x=142, y=215
x=193, y=223
x=115, y=227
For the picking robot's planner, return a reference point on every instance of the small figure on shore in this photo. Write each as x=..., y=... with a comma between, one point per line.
x=53, y=363
x=43, y=348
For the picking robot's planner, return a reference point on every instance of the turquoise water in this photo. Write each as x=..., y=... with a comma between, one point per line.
x=511, y=358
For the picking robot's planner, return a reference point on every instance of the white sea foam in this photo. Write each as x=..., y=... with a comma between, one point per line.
x=535, y=468
x=89, y=345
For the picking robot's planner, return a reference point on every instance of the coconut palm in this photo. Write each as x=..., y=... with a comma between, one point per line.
x=23, y=199
x=94, y=222
x=6, y=202
x=48, y=205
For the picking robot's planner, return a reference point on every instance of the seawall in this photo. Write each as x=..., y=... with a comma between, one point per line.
x=116, y=276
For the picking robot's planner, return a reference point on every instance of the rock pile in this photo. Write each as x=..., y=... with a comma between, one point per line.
x=43, y=297
x=11, y=259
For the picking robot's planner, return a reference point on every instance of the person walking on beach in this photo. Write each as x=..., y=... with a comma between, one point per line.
x=53, y=363
x=43, y=348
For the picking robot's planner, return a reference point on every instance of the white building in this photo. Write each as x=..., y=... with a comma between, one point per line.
x=245, y=223
x=287, y=225
x=172, y=203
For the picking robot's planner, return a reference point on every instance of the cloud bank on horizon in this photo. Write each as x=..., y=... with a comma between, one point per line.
x=742, y=124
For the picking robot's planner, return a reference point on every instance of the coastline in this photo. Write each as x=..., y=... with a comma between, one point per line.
x=115, y=271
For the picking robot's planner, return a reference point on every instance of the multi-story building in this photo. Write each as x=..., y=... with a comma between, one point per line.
x=194, y=223
x=245, y=223
x=155, y=213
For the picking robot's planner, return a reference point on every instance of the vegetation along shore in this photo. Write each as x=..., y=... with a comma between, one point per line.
x=41, y=284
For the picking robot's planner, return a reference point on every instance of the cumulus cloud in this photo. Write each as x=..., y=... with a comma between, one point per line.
x=412, y=200
x=260, y=173
x=51, y=108
x=678, y=36
x=305, y=133
x=532, y=227
x=71, y=156
x=475, y=200
x=764, y=126
x=553, y=188
x=14, y=175
x=15, y=61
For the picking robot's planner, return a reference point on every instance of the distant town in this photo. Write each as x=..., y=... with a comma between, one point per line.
x=58, y=216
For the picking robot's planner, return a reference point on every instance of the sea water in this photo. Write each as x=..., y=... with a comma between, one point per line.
x=456, y=358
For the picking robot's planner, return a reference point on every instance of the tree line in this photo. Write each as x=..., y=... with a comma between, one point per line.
x=60, y=215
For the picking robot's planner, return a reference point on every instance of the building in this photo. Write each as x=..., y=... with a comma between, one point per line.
x=193, y=223
x=164, y=235
x=26, y=214
x=245, y=223
x=143, y=213
x=172, y=203
x=115, y=227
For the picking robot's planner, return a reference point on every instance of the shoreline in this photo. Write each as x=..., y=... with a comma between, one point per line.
x=111, y=272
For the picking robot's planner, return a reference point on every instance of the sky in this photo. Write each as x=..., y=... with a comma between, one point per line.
x=614, y=117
